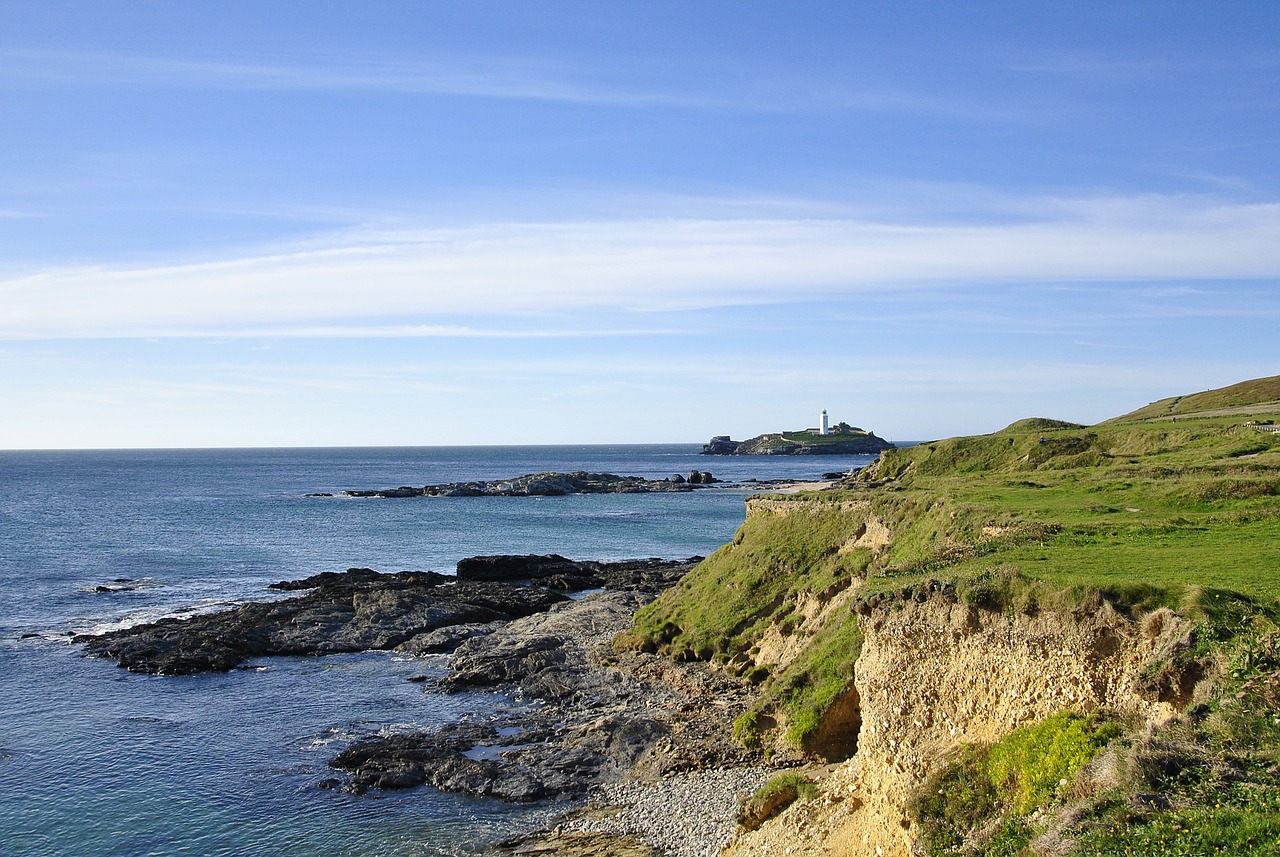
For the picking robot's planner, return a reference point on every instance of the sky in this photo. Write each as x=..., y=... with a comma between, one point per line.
x=317, y=223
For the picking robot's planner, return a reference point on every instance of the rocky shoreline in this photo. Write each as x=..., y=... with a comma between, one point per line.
x=636, y=749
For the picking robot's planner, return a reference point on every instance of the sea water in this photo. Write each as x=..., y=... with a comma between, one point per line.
x=98, y=761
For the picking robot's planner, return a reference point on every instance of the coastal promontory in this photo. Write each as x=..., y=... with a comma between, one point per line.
x=842, y=439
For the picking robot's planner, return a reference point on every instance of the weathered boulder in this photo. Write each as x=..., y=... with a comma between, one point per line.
x=516, y=567
x=720, y=445
x=593, y=723
x=445, y=640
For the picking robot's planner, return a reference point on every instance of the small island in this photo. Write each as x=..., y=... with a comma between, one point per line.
x=840, y=439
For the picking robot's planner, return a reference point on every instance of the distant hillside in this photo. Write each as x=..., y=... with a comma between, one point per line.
x=1261, y=395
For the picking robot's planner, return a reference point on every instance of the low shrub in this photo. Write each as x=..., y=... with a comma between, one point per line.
x=979, y=802
x=1033, y=763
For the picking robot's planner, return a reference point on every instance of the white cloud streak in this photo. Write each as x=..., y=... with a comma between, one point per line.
x=410, y=281
x=528, y=78
x=484, y=77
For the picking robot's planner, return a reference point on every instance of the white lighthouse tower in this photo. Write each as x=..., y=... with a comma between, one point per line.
x=823, y=427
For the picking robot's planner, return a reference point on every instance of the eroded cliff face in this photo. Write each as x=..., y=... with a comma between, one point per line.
x=936, y=674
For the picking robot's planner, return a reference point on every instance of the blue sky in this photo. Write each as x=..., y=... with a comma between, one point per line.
x=310, y=223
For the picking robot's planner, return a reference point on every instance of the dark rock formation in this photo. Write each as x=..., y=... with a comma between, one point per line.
x=556, y=844
x=444, y=640
x=567, y=575
x=595, y=722
x=721, y=445
x=549, y=484
x=476, y=760
x=360, y=609
x=350, y=612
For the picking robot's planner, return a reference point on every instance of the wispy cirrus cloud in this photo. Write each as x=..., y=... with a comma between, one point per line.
x=419, y=277
x=481, y=76
x=528, y=78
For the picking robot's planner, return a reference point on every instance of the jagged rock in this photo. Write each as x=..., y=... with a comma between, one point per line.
x=360, y=609
x=515, y=567
x=584, y=733
x=444, y=640
x=593, y=724
x=350, y=612
x=720, y=445
x=567, y=575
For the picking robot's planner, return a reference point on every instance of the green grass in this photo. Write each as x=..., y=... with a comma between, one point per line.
x=982, y=799
x=1033, y=764
x=1239, y=556
x=812, y=438
x=1173, y=507
x=805, y=690
x=790, y=782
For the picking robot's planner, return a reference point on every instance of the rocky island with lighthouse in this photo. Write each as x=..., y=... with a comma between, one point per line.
x=840, y=439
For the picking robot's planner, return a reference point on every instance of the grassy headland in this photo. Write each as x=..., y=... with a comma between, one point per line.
x=1176, y=505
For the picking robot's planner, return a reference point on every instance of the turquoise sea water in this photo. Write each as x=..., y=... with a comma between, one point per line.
x=98, y=761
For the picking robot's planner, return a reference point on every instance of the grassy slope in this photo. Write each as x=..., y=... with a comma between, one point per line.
x=1145, y=510
x=1247, y=394
x=1196, y=504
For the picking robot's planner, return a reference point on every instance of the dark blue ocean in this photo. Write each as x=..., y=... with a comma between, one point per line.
x=97, y=761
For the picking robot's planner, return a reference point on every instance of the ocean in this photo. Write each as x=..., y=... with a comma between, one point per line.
x=98, y=761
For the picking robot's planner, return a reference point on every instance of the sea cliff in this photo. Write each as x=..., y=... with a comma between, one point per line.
x=1053, y=639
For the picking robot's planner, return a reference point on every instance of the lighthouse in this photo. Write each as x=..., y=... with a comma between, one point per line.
x=823, y=428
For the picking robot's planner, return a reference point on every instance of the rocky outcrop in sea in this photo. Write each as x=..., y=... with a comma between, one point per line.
x=361, y=609
x=549, y=484
x=852, y=441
